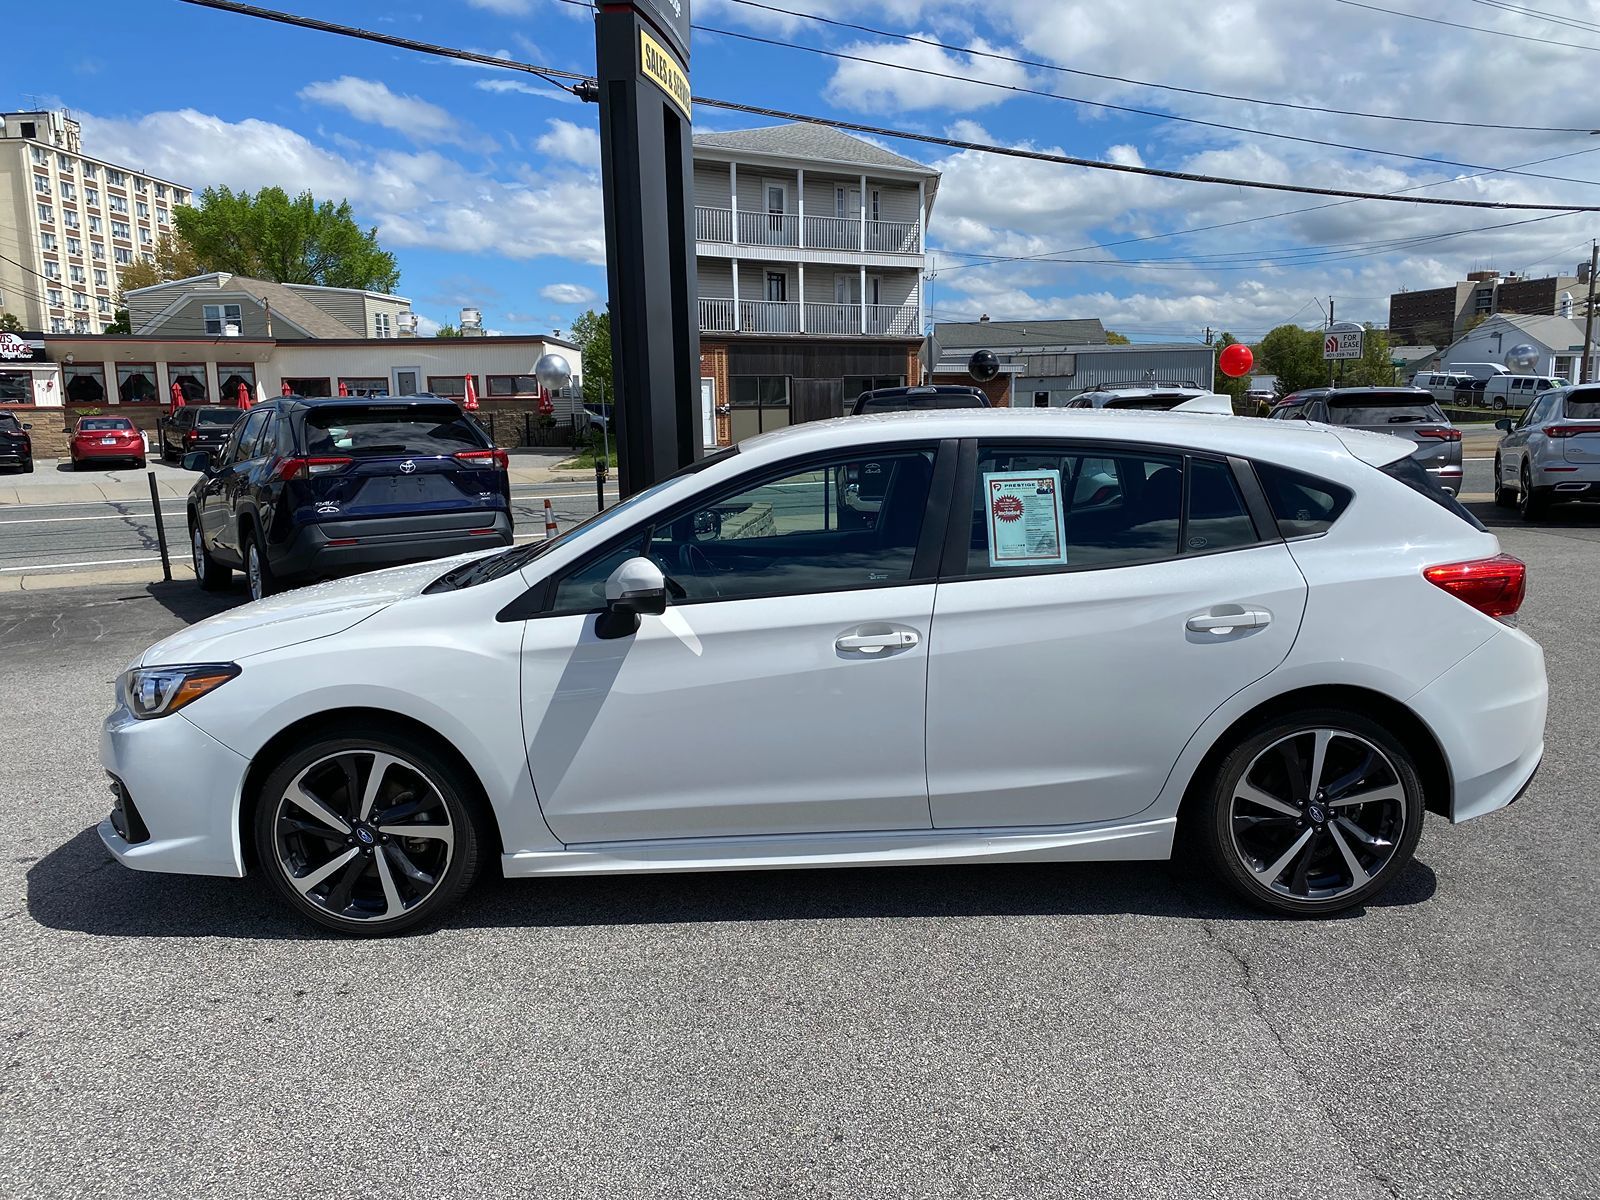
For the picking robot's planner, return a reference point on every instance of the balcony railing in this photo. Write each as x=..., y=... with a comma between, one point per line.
x=814, y=233
x=768, y=229
x=824, y=320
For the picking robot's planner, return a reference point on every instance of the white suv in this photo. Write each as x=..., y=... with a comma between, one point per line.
x=1552, y=454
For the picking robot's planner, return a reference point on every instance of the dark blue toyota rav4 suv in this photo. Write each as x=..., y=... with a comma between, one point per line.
x=312, y=487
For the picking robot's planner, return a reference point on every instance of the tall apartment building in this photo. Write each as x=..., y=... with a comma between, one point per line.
x=69, y=223
x=811, y=247
x=1439, y=316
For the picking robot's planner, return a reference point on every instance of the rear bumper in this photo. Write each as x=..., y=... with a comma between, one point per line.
x=114, y=453
x=1488, y=713
x=1448, y=477
x=14, y=458
x=343, y=546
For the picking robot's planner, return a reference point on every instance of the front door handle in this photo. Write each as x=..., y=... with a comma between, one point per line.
x=877, y=643
x=1226, y=618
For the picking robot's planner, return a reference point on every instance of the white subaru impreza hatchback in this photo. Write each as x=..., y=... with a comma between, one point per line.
x=964, y=636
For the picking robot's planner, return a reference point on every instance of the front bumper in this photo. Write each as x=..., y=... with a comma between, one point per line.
x=185, y=788
x=1488, y=713
x=338, y=547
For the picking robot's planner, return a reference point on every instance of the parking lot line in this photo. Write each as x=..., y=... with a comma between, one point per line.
x=93, y=562
x=60, y=520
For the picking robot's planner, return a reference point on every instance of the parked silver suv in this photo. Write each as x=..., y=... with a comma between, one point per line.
x=1552, y=454
x=1405, y=412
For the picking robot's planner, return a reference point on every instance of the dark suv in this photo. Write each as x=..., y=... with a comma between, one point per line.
x=16, y=447
x=194, y=427
x=315, y=487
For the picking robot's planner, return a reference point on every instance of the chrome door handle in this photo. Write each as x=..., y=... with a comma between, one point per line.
x=877, y=643
x=1226, y=622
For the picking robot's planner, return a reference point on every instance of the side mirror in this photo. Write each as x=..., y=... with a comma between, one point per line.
x=27, y=425
x=1503, y=423
x=197, y=460
x=636, y=588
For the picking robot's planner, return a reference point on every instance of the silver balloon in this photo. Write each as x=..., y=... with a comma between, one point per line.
x=1523, y=359
x=553, y=372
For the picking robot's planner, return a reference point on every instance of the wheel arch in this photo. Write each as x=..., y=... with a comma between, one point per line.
x=1434, y=769
x=343, y=722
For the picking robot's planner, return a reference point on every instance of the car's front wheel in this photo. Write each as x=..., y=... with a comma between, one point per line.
x=1504, y=497
x=1314, y=813
x=211, y=575
x=367, y=835
x=257, y=569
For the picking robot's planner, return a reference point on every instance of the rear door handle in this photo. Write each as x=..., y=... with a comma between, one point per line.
x=1221, y=621
x=877, y=643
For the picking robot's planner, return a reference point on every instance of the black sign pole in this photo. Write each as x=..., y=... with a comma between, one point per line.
x=647, y=167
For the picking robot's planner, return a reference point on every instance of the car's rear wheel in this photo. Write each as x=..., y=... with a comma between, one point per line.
x=1314, y=813
x=27, y=466
x=1530, y=503
x=1504, y=497
x=208, y=572
x=257, y=569
x=365, y=835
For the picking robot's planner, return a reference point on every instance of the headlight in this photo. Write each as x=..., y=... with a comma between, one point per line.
x=158, y=691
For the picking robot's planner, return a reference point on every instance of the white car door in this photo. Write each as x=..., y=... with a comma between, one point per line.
x=1062, y=692
x=783, y=692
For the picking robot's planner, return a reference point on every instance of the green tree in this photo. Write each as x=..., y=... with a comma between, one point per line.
x=448, y=331
x=10, y=323
x=171, y=259
x=1375, y=367
x=1294, y=355
x=120, y=323
x=270, y=235
x=1113, y=338
x=592, y=331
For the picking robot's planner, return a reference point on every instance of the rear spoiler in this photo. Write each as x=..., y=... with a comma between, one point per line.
x=1211, y=402
x=1374, y=449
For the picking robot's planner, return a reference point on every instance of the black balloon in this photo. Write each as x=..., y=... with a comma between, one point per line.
x=983, y=366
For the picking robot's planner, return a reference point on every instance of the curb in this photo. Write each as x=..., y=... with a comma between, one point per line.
x=54, y=580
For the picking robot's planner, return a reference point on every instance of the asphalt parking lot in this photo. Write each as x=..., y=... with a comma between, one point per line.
x=980, y=1031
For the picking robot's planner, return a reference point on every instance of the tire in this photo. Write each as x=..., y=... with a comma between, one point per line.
x=211, y=575
x=388, y=883
x=258, y=577
x=27, y=467
x=1504, y=497
x=1532, y=503
x=1301, y=858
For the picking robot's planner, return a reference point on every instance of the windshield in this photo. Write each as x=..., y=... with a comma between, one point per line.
x=497, y=566
x=9, y=421
x=221, y=418
x=101, y=424
x=883, y=404
x=1385, y=410
x=391, y=429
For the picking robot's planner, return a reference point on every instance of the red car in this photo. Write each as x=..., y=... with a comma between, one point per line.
x=98, y=439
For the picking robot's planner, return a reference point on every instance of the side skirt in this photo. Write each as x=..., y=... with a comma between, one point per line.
x=1125, y=842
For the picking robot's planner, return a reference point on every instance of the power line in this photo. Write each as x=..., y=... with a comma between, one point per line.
x=1521, y=37
x=1021, y=90
x=1145, y=83
x=778, y=114
x=1553, y=18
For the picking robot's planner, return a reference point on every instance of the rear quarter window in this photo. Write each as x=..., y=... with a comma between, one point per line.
x=1411, y=473
x=1302, y=505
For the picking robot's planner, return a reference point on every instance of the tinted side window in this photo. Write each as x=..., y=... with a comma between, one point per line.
x=1302, y=504
x=1217, y=518
x=244, y=437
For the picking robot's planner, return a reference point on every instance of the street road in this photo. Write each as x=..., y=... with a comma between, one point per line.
x=978, y=1031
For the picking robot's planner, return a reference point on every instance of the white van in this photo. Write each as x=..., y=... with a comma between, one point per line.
x=1517, y=391
x=1441, y=385
x=1477, y=370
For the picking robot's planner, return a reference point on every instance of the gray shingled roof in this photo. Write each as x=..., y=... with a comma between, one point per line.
x=285, y=303
x=955, y=335
x=813, y=142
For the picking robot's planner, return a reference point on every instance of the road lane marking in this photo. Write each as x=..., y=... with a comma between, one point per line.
x=111, y=517
x=96, y=562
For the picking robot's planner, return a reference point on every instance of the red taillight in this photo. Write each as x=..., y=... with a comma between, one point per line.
x=1494, y=586
x=493, y=460
x=1566, y=431
x=191, y=436
x=306, y=468
x=1443, y=433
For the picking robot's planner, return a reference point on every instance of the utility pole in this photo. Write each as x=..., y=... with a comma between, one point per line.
x=1586, y=375
x=1330, y=326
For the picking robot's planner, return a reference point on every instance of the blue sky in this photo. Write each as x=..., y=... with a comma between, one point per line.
x=484, y=183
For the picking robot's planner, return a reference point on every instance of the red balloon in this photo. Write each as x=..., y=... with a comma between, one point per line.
x=1235, y=360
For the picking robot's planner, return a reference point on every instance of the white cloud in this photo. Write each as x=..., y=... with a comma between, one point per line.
x=542, y=91
x=506, y=8
x=578, y=144
x=427, y=326
x=885, y=88
x=371, y=101
x=568, y=293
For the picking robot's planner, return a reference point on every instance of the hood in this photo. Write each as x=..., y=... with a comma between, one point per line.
x=301, y=615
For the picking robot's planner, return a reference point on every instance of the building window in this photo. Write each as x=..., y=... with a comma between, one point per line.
x=142, y=211
x=124, y=256
x=139, y=185
x=91, y=197
x=64, y=163
x=116, y=178
x=80, y=324
x=80, y=301
x=361, y=385
x=450, y=385
x=69, y=218
x=229, y=378
x=877, y=205
x=74, y=246
x=163, y=216
x=136, y=383
x=41, y=184
x=118, y=204
x=39, y=156
x=220, y=316
x=47, y=241
x=841, y=201
x=179, y=196
x=100, y=279
x=381, y=326
x=55, y=296
x=90, y=170
x=58, y=324
x=52, y=270
x=144, y=236
x=103, y=303
x=191, y=380
x=97, y=250
x=512, y=385
x=777, y=287
x=76, y=274
x=96, y=225
x=121, y=229
x=68, y=191
x=161, y=191
x=85, y=383
x=47, y=214
x=309, y=387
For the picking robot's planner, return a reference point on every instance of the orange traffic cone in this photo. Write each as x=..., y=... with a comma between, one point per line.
x=549, y=521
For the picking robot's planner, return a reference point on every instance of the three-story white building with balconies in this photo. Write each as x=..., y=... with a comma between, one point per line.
x=811, y=247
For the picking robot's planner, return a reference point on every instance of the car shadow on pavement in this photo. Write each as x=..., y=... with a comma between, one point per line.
x=1556, y=519
x=79, y=887
x=187, y=601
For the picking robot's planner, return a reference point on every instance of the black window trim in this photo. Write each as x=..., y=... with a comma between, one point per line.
x=536, y=602
x=958, y=534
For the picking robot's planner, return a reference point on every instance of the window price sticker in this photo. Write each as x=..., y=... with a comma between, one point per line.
x=1024, y=518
